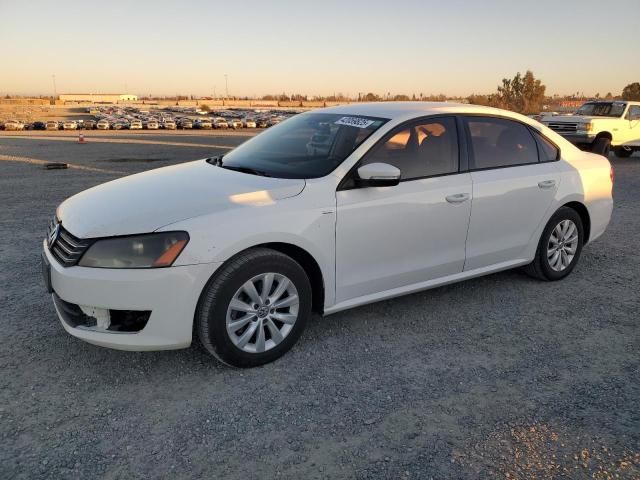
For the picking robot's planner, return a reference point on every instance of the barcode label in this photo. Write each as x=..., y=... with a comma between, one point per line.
x=355, y=122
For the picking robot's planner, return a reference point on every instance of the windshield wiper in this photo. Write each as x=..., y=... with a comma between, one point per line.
x=250, y=171
x=217, y=161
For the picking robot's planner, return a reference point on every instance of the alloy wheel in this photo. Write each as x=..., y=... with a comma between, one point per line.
x=562, y=245
x=262, y=312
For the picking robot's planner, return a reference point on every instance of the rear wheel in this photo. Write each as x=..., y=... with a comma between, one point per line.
x=601, y=146
x=623, y=152
x=254, y=309
x=559, y=247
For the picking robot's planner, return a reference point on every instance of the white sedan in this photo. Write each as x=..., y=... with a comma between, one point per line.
x=241, y=250
x=14, y=125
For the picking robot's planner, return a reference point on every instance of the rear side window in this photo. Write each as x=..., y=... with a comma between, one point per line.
x=548, y=152
x=422, y=149
x=497, y=142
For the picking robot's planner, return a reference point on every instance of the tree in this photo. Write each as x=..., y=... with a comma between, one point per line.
x=485, y=100
x=371, y=97
x=631, y=91
x=435, y=98
x=523, y=94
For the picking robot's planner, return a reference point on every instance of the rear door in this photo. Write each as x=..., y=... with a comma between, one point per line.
x=512, y=188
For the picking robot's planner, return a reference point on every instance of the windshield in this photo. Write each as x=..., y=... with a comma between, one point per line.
x=308, y=145
x=602, y=109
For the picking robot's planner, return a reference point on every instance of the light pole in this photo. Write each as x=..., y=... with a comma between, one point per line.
x=55, y=93
x=226, y=86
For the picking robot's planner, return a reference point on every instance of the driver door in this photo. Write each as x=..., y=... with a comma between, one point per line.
x=632, y=137
x=390, y=237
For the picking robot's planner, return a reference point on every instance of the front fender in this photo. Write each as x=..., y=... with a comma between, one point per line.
x=218, y=237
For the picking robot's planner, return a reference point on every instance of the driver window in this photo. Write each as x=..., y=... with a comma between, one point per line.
x=424, y=149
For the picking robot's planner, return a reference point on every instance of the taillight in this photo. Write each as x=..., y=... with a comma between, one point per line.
x=612, y=175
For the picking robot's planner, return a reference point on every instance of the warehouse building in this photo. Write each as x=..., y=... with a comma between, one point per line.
x=97, y=97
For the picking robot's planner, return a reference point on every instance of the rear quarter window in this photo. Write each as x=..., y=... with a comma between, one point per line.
x=547, y=151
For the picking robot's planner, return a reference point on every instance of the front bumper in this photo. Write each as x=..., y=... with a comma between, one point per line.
x=170, y=294
x=578, y=138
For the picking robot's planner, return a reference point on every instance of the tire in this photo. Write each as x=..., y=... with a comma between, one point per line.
x=622, y=152
x=601, y=146
x=214, y=311
x=542, y=266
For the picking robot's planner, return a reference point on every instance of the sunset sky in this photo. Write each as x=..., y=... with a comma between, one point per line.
x=317, y=47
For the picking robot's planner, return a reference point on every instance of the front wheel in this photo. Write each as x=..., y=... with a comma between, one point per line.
x=559, y=247
x=601, y=146
x=254, y=309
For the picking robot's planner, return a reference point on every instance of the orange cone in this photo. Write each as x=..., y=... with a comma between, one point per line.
x=81, y=138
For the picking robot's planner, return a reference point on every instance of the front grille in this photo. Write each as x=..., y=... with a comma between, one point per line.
x=66, y=248
x=562, y=127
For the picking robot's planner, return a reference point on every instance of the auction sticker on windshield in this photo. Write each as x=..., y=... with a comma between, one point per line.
x=355, y=122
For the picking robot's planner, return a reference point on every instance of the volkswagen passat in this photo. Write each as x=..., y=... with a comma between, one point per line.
x=240, y=250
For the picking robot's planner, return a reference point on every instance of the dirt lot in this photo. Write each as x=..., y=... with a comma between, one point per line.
x=499, y=377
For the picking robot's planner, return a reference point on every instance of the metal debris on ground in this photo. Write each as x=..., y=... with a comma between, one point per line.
x=56, y=166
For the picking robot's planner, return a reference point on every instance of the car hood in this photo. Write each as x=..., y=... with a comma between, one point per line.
x=146, y=201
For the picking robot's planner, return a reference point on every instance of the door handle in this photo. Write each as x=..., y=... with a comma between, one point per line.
x=458, y=198
x=547, y=184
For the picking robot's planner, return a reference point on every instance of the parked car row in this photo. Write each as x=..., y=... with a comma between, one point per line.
x=17, y=125
x=185, y=118
x=171, y=118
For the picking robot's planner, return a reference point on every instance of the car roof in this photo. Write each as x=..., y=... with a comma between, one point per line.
x=393, y=110
x=398, y=112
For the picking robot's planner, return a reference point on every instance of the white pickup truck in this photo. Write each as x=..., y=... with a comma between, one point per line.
x=601, y=125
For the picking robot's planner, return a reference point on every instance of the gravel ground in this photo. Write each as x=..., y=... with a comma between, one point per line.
x=498, y=377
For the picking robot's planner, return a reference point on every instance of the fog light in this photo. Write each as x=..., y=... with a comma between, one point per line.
x=103, y=319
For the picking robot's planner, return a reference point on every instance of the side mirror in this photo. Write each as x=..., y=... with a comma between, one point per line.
x=378, y=175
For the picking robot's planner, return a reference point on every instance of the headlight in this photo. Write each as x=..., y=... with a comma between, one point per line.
x=585, y=127
x=152, y=250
